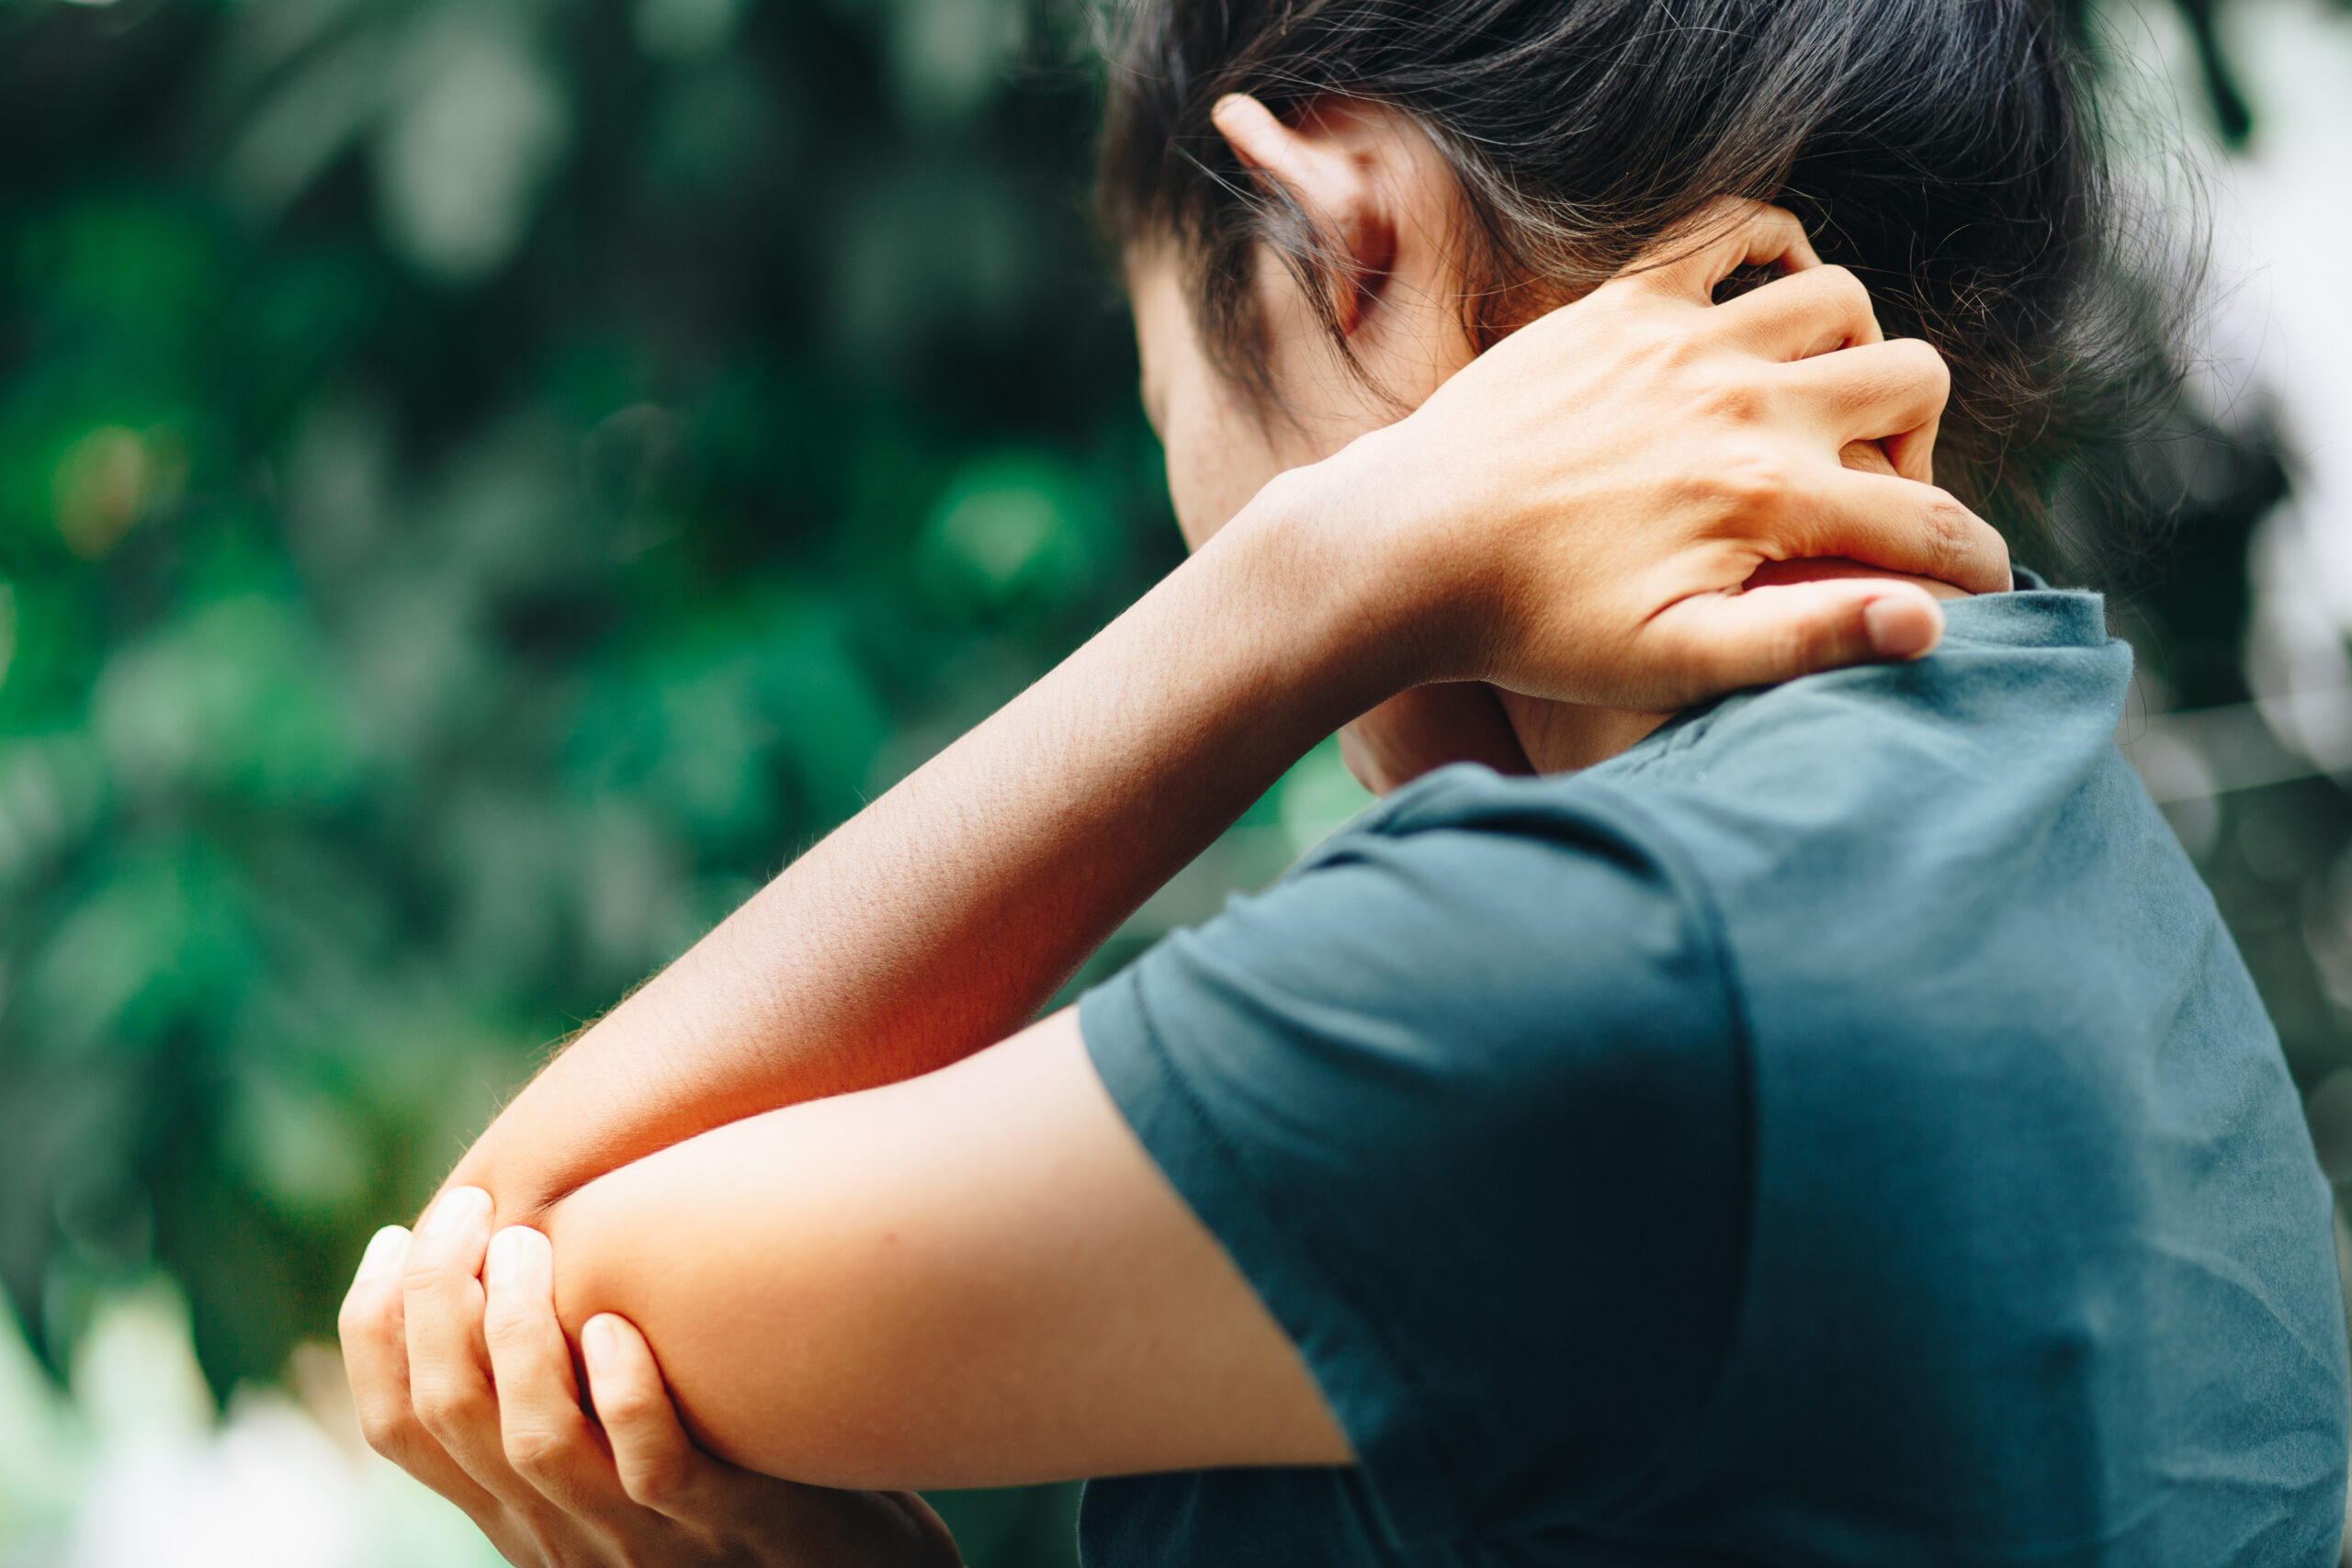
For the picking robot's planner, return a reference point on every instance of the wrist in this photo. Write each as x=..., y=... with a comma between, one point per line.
x=517, y=1195
x=1400, y=546
x=1352, y=614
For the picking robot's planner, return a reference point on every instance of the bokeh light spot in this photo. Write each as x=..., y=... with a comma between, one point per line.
x=108, y=481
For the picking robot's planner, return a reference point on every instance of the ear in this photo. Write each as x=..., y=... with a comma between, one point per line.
x=1336, y=165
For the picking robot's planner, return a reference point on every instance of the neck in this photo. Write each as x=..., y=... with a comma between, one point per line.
x=1562, y=737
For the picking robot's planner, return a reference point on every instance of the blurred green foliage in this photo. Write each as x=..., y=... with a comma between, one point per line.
x=484, y=483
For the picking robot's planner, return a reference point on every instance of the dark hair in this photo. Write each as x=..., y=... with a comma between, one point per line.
x=1942, y=149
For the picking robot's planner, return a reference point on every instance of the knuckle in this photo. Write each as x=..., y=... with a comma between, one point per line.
x=1951, y=530
x=389, y=1433
x=1923, y=364
x=1788, y=652
x=1752, y=486
x=1806, y=646
x=1953, y=524
x=428, y=1279
x=443, y=1407
x=653, y=1480
x=506, y=1331
x=628, y=1402
x=632, y=1407
x=1842, y=285
x=536, y=1451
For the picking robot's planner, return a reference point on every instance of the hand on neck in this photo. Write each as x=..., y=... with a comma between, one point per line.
x=1562, y=737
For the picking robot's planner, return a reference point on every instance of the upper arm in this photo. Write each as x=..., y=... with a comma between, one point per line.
x=974, y=1278
x=1464, y=1100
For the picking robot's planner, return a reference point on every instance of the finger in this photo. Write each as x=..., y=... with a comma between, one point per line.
x=547, y=1441
x=375, y=1357
x=1805, y=313
x=1893, y=525
x=1891, y=392
x=1725, y=642
x=1865, y=456
x=1913, y=452
x=449, y=1366
x=1729, y=235
x=658, y=1466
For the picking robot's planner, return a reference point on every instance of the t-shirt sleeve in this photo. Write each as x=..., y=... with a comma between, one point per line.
x=1464, y=1100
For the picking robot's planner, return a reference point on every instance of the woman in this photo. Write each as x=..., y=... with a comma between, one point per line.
x=1828, y=1124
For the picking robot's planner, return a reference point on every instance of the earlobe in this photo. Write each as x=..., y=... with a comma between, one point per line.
x=1331, y=171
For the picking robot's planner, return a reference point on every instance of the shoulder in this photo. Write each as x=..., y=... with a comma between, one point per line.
x=1867, y=783
x=1487, y=910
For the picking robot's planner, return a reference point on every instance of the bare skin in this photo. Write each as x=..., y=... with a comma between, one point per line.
x=1394, y=204
x=867, y=1248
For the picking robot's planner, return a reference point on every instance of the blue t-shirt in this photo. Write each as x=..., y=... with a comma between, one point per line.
x=1838, y=1131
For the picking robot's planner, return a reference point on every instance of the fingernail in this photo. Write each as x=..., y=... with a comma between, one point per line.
x=1897, y=628
x=599, y=1344
x=384, y=1249
x=504, y=1264
x=458, y=1207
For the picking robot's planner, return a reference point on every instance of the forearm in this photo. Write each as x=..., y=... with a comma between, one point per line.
x=941, y=917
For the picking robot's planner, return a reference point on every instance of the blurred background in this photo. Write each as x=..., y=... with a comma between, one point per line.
x=484, y=482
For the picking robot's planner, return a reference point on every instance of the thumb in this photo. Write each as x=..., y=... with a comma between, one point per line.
x=1769, y=635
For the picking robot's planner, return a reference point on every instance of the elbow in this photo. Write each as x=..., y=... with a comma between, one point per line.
x=766, y=1368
